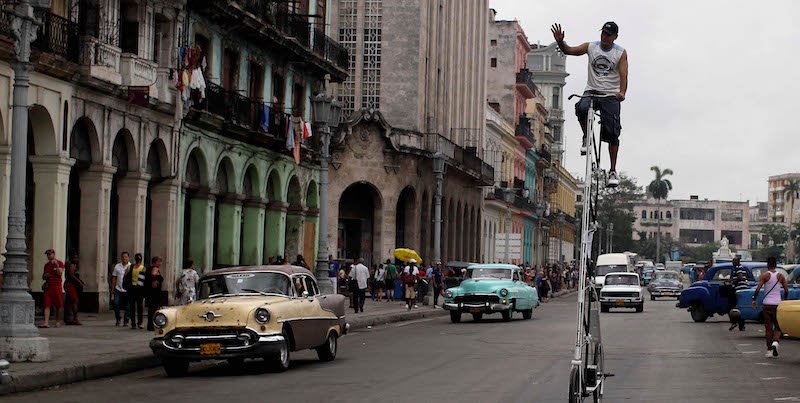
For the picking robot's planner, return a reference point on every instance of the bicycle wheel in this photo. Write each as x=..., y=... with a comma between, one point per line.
x=575, y=388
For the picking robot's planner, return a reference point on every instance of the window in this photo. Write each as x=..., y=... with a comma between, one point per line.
x=348, y=37
x=697, y=214
x=669, y=236
x=669, y=215
x=310, y=286
x=298, y=98
x=494, y=62
x=644, y=214
x=256, y=76
x=230, y=69
x=556, y=98
x=731, y=215
x=493, y=42
x=371, y=71
x=697, y=235
x=734, y=237
x=277, y=90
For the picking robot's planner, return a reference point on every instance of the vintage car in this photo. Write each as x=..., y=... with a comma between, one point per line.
x=744, y=298
x=250, y=312
x=621, y=290
x=703, y=299
x=665, y=284
x=789, y=317
x=491, y=288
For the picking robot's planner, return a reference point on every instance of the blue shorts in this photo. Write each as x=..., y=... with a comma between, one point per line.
x=609, y=108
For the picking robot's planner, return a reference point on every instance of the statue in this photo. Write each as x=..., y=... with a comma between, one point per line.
x=723, y=243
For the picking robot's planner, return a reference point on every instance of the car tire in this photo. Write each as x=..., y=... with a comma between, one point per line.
x=698, y=314
x=604, y=308
x=506, y=315
x=455, y=316
x=652, y=297
x=280, y=360
x=640, y=307
x=327, y=351
x=477, y=316
x=527, y=314
x=176, y=368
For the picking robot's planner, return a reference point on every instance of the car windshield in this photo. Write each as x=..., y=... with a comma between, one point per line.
x=487, y=272
x=602, y=270
x=619, y=279
x=244, y=283
x=757, y=271
x=666, y=276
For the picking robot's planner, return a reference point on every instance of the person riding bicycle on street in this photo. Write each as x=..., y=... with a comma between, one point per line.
x=608, y=75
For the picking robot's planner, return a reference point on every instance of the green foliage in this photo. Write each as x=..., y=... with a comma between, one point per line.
x=777, y=233
x=660, y=186
x=616, y=205
x=762, y=254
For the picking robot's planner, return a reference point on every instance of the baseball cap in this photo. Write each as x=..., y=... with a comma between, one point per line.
x=412, y=260
x=610, y=28
x=49, y=251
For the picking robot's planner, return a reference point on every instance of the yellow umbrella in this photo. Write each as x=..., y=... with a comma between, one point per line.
x=406, y=254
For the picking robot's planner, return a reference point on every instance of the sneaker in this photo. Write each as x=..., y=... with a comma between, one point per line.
x=775, y=345
x=613, y=179
x=415, y=306
x=117, y=324
x=583, y=146
x=435, y=306
x=768, y=354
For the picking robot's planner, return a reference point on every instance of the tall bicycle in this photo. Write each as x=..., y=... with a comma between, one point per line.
x=587, y=373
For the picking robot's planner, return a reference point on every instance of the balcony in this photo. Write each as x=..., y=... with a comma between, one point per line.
x=58, y=36
x=136, y=71
x=545, y=158
x=432, y=144
x=524, y=134
x=525, y=84
x=555, y=115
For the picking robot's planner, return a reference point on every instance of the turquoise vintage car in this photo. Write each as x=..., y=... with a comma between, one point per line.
x=491, y=288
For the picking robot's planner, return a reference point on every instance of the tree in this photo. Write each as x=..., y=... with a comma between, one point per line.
x=791, y=192
x=777, y=235
x=615, y=205
x=659, y=188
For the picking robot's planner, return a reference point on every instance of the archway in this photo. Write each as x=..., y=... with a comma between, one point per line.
x=123, y=204
x=156, y=166
x=294, y=220
x=251, y=236
x=405, y=222
x=227, y=217
x=197, y=208
x=359, y=223
x=311, y=221
x=425, y=226
x=275, y=220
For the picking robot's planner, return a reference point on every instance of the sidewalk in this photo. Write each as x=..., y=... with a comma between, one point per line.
x=99, y=349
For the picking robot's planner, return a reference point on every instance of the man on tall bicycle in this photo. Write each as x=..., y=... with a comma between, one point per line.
x=608, y=75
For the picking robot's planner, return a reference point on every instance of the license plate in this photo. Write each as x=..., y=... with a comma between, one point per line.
x=620, y=302
x=210, y=348
x=667, y=293
x=475, y=310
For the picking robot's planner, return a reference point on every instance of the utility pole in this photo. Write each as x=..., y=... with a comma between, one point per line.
x=611, y=237
x=19, y=338
x=438, y=172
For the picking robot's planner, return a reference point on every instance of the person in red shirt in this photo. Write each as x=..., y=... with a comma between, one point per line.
x=53, y=293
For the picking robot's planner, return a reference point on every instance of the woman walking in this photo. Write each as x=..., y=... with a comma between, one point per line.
x=153, y=281
x=73, y=287
x=187, y=283
x=380, y=280
x=134, y=283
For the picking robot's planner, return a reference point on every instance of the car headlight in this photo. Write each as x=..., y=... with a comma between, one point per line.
x=262, y=315
x=503, y=292
x=448, y=294
x=160, y=320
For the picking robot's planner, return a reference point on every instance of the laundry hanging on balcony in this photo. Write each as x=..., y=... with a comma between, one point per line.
x=289, y=132
x=197, y=82
x=306, y=129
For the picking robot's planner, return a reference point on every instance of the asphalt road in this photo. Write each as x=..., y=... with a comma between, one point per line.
x=658, y=356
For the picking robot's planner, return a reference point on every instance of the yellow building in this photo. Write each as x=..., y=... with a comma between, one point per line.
x=563, y=230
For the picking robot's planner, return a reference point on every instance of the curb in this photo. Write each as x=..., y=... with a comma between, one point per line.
x=414, y=314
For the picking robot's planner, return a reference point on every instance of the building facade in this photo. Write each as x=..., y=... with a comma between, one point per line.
x=561, y=245
x=779, y=207
x=549, y=68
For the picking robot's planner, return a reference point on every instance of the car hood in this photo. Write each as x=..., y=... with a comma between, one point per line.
x=621, y=287
x=483, y=285
x=229, y=311
x=666, y=283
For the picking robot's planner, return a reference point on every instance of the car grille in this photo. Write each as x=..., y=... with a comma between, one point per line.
x=467, y=299
x=228, y=338
x=619, y=294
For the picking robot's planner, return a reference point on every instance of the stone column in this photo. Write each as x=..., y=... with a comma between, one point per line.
x=201, y=227
x=51, y=181
x=438, y=170
x=93, y=245
x=164, y=228
x=132, y=191
x=253, y=233
x=5, y=179
x=295, y=221
x=275, y=228
x=229, y=231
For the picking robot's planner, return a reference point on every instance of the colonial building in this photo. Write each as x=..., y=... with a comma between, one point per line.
x=414, y=109
x=102, y=138
x=549, y=68
x=561, y=245
x=779, y=207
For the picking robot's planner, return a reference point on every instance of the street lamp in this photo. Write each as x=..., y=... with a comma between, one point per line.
x=560, y=238
x=326, y=113
x=508, y=196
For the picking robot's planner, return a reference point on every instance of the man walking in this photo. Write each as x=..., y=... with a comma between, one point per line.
x=391, y=274
x=738, y=282
x=53, y=291
x=118, y=294
x=333, y=272
x=438, y=283
x=608, y=75
x=772, y=297
x=360, y=274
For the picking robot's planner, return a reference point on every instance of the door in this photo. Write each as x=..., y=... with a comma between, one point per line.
x=309, y=241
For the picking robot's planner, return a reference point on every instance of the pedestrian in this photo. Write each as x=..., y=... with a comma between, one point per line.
x=342, y=281
x=134, y=283
x=118, y=293
x=738, y=282
x=391, y=275
x=271, y=260
x=410, y=276
x=608, y=75
x=770, y=281
x=372, y=272
x=429, y=271
x=73, y=287
x=545, y=288
x=380, y=281
x=438, y=283
x=187, y=283
x=53, y=291
x=360, y=274
x=333, y=273
x=300, y=261
x=153, y=281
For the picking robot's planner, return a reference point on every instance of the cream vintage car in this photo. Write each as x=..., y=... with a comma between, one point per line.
x=250, y=312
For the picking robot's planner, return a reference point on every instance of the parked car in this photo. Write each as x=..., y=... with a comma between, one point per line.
x=621, y=290
x=250, y=312
x=665, y=284
x=702, y=298
x=744, y=298
x=647, y=275
x=491, y=288
x=789, y=317
x=660, y=266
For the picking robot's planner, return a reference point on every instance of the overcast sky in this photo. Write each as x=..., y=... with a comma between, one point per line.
x=713, y=87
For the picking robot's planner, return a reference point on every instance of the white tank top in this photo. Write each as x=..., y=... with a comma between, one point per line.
x=773, y=290
x=604, y=68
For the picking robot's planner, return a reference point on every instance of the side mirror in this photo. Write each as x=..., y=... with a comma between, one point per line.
x=305, y=294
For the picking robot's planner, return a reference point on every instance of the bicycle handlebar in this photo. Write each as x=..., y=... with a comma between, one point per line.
x=592, y=96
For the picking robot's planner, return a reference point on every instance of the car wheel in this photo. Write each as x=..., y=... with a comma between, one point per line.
x=640, y=307
x=176, y=368
x=455, y=316
x=698, y=314
x=604, y=308
x=280, y=360
x=327, y=351
x=506, y=315
x=477, y=316
x=527, y=314
x=652, y=297
x=575, y=388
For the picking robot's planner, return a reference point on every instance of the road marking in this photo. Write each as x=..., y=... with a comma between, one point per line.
x=743, y=344
x=750, y=352
x=412, y=322
x=787, y=399
x=763, y=363
x=773, y=378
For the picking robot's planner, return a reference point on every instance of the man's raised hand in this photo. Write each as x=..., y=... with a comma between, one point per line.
x=558, y=34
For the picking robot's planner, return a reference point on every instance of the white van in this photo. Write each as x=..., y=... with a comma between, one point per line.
x=610, y=263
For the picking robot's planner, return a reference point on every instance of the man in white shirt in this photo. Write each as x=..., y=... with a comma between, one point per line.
x=118, y=294
x=360, y=274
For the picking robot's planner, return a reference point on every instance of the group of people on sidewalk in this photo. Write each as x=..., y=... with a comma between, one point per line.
x=61, y=280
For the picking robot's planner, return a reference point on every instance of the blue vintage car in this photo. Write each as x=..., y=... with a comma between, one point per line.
x=491, y=288
x=703, y=299
x=744, y=298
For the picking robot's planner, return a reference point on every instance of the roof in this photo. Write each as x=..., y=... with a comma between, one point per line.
x=493, y=266
x=287, y=269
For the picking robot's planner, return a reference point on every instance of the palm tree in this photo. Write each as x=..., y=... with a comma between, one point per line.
x=791, y=192
x=659, y=188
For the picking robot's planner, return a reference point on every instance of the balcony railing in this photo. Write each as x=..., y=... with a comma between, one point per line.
x=6, y=21
x=434, y=143
x=525, y=83
x=544, y=152
x=523, y=132
x=57, y=35
x=241, y=110
x=555, y=115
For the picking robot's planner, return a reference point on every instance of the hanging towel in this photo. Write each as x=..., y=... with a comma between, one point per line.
x=265, y=117
x=306, y=129
x=197, y=82
x=289, y=133
x=298, y=139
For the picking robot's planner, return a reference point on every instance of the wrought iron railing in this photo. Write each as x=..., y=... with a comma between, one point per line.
x=6, y=21
x=525, y=76
x=57, y=35
x=523, y=129
x=544, y=152
x=243, y=111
